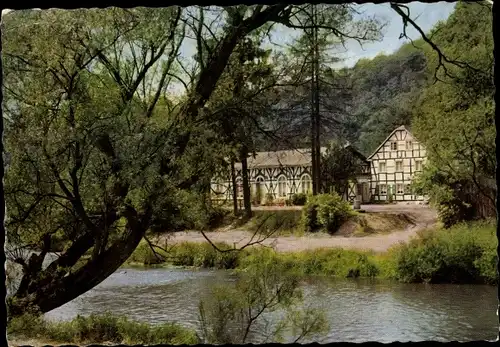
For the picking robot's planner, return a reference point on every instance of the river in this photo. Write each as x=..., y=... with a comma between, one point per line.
x=358, y=310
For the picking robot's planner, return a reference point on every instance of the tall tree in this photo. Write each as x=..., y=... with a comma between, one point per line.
x=326, y=91
x=455, y=120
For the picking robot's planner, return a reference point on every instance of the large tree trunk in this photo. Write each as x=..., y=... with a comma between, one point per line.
x=47, y=292
x=246, y=184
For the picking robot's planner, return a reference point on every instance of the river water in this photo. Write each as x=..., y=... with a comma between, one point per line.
x=358, y=310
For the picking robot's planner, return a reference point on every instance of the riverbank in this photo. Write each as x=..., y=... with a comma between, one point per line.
x=465, y=253
x=379, y=228
x=95, y=329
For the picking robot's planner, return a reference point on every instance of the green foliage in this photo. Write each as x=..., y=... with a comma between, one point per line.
x=269, y=199
x=339, y=165
x=187, y=254
x=278, y=222
x=335, y=262
x=454, y=117
x=231, y=314
x=98, y=329
x=299, y=199
x=325, y=211
x=143, y=254
x=204, y=255
x=464, y=253
x=385, y=89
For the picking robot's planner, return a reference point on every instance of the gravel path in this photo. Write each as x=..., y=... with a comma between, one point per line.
x=423, y=216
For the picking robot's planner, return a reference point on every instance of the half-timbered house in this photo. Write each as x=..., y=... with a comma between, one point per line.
x=393, y=166
x=278, y=175
x=385, y=175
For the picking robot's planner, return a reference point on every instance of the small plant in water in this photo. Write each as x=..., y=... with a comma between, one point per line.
x=236, y=314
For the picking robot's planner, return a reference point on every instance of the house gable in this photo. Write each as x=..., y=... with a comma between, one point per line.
x=394, y=165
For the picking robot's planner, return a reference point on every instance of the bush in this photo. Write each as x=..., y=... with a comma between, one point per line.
x=464, y=253
x=299, y=199
x=144, y=255
x=204, y=255
x=216, y=217
x=335, y=262
x=325, y=211
x=269, y=199
x=99, y=329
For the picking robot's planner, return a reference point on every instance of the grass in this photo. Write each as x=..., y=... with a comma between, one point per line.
x=99, y=329
x=186, y=254
x=465, y=253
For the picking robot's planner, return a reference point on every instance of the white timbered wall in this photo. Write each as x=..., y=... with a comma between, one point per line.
x=294, y=178
x=396, y=176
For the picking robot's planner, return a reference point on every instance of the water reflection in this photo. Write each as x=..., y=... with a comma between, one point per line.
x=358, y=310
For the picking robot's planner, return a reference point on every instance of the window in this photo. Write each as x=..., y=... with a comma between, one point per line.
x=418, y=165
x=409, y=145
x=400, y=188
x=282, y=186
x=381, y=166
x=407, y=189
x=399, y=165
x=382, y=189
x=394, y=146
x=306, y=184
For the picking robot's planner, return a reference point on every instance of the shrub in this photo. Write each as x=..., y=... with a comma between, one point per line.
x=204, y=255
x=230, y=314
x=269, y=199
x=216, y=217
x=461, y=254
x=144, y=255
x=99, y=329
x=299, y=199
x=256, y=200
x=325, y=211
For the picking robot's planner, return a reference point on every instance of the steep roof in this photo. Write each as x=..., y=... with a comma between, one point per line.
x=402, y=127
x=293, y=157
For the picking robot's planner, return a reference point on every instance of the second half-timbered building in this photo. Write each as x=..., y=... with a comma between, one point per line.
x=394, y=164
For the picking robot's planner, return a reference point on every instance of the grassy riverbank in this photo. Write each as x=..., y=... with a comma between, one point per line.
x=98, y=329
x=465, y=253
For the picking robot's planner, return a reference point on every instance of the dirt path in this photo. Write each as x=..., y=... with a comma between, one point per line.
x=423, y=216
